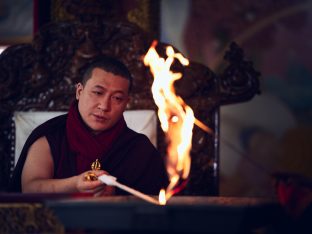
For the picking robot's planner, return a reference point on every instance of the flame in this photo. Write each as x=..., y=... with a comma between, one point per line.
x=176, y=118
x=162, y=197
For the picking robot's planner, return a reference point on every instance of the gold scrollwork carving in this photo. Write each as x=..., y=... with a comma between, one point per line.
x=28, y=217
x=146, y=16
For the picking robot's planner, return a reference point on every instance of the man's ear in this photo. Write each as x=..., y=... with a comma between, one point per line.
x=128, y=99
x=127, y=103
x=79, y=88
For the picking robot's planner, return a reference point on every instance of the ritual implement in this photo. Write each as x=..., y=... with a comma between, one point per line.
x=91, y=176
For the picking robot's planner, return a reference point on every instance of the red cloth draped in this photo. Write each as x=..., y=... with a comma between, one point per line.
x=87, y=146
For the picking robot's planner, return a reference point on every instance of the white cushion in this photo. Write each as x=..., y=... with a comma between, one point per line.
x=142, y=121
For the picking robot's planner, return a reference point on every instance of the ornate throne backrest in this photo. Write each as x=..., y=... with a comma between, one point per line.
x=41, y=77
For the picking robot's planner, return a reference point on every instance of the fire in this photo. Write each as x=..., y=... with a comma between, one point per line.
x=176, y=118
x=162, y=197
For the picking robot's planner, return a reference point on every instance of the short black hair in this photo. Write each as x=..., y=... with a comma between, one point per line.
x=109, y=64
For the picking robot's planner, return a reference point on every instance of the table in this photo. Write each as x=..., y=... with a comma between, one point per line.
x=127, y=214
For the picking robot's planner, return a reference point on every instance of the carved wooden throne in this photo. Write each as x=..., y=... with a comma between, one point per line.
x=41, y=77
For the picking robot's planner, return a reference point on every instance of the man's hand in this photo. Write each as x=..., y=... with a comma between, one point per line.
x=95, y=187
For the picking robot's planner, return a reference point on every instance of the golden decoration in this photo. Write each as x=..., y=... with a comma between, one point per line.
x=146, y=16
x=91, y=176
x=28, y=217
x=96, y=165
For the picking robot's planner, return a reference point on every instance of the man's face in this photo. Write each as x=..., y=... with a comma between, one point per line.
x=102, y=100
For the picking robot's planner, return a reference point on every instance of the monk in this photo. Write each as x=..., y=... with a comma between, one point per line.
x=58, y=155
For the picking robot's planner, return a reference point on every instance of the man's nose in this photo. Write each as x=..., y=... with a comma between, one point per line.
x=104, y=104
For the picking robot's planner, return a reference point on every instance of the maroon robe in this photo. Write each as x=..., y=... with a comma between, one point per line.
x=132, y=159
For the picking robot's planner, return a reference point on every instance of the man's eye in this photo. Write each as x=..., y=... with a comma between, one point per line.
x=116, y=98
x=97, y=92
